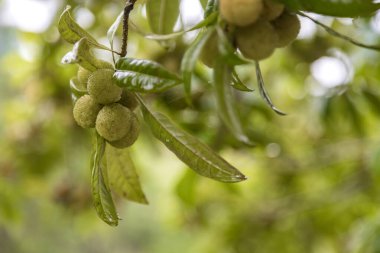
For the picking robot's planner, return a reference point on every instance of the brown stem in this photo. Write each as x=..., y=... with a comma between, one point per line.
x=127, y=10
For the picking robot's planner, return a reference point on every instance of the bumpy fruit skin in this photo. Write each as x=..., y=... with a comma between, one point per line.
x=257, y=41
x=83, y=75
x=272, y=10
x=85, y=111
x=210, y=50
x=131, y=136
x=102, y=88
x=128, y=100
x=113, y=122
x=287, y=27
x=241, y=12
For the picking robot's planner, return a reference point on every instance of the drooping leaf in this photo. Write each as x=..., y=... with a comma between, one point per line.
x=82, y=55
x=112, y=31
x=122, y=175
x=191, y=56
x=264, y=94
x=339, y=35
x=198, y=156
x=225, y=101
x=210, y=20
x=144, y=76
x=72, y=32
x=101, y=194
x=162, y=15
x=338, y=8
x=237, y=83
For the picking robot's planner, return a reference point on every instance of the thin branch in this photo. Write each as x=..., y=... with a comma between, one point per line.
x=127, y=10
x=339, y=35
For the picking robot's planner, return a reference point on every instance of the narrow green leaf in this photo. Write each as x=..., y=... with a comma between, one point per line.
x=337, y=8
x=226, y=104
x=162, y=15
x=101, y=194
x=198, y=156
x=122, y=175
x=210, y=20
x=72, y=32
x=144, y=76
x=112, y=31
x=264, y=94
x=237, y=83
x=191, y=56
x=211, y=7
x=339, y=35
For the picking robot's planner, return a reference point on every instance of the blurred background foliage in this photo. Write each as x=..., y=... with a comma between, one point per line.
x=314, y=176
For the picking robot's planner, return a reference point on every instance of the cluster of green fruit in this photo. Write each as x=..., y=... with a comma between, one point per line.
x=261, y=26
x=106, y=106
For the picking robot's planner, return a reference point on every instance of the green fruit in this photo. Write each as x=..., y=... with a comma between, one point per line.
x=100, y=64
x=85, y=111
x=210, y=50
x=102, y=87
x=83, y=75
x=131, y=136
x=241, y=12
x=257, y=41
x=113, y=122
x=128, y=99
x=287, y=27
x=272, y=10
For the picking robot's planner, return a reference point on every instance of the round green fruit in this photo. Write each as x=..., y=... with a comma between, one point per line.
x=113, y=122
x=131, y=136
x=287, y=27
x=83, y=75
x=102, y=87
x=128, y=99
x=257, y=41
x=85, y=111
x=241, y=12
x=100, y=64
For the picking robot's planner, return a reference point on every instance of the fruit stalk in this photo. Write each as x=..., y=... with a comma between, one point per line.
x=127, y=10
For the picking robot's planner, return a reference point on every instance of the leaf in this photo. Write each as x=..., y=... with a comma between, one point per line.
x=122, y=175
x=373, y=99
x=81, y=54
x=237, y=83
x=72, y=32
x=162, y=15
x=339, y=35
x=225, y=102
x=264, y=94
x=144, y=76
x=112, y=31
x=211, y=6
x=198, y=156
x=191, y=56
x=76, y=88
x=101, y=194
x=337, y=8
x=204, y=23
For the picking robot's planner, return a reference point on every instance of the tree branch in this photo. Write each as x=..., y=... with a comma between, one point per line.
x=127, y=10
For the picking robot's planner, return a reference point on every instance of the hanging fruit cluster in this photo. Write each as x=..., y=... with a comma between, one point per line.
x=261, y=26
x=106, y=106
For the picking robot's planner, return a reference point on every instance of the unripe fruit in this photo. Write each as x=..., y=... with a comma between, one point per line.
x=83, y=75
x=100, y=64
x=131, y=136
x=287, y=27
x=128, y=100
x=241, y=12
x=85, y=111
x=113, y=122
x=210, y=50
x=102, y=88
x=272, y=10
x=257, y=41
